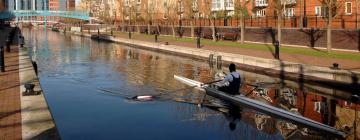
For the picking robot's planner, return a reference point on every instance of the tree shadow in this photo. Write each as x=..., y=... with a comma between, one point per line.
x=270, y=31
x=313, y=36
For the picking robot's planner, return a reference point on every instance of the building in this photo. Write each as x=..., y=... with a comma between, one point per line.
x=57, y=5
x=70, y=5
x=26, y=4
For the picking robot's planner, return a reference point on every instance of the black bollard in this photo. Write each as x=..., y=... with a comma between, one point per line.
x=277, y=49
x=112, y=33
x=8, y=44
x=198, y=42
x=129, y=34
x=156, y=37
x=98, y=32
x=22, y=41
x=2, y=59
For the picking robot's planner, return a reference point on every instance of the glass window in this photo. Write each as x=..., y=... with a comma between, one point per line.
x=318, y=11
x=348, y=9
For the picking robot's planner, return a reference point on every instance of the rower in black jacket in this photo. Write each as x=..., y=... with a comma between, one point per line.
x=232, y=81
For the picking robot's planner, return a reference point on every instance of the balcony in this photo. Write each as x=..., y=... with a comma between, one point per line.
x=288, y=2
x=260, y=3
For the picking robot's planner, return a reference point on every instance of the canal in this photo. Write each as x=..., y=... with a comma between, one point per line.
x=88, y=86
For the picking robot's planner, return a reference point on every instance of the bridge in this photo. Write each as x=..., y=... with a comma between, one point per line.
x=65, y=14
x=27, y=15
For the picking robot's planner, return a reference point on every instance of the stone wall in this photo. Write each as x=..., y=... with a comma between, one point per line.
x=341, y=39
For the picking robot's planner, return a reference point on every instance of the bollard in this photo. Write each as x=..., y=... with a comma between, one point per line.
x=129, y=34
x=22, y=41
x=2, y=59
x=112, y=34
x=8, y=44
x=198, y=42
x=277, y=49
x=89, y=30
x=211, y=58
x=156, y=37
x=218, y=62
x=98, y=32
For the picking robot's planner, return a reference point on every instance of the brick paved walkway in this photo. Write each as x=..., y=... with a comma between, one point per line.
x=10, y=106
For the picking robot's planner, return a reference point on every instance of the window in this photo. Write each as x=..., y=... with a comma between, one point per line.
x=260, y=13
x=348, y=8
x=289, y=12
x=317, y=106
x=318, y=11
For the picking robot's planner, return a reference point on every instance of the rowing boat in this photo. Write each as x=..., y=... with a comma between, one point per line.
x=243, y=101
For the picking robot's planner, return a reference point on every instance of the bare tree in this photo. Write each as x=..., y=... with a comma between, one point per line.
x=331, y=9
x=279, y=7
x=191, y=9
x=241, y=11
x=133, y=11
x=209, y=14
x=149, y=11
x=171, y=14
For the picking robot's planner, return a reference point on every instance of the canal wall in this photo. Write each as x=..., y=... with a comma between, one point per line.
x=343, y=79
x=37, y=121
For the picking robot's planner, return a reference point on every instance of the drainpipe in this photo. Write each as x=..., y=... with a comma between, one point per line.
x=357, y=9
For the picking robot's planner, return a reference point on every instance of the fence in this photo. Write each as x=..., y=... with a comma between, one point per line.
x=342, y=22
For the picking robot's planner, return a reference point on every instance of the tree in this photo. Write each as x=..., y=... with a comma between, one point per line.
x=331, y=9
x=241, y=11
x=191, y=9
x=171, y=14
x=149, y=10
x=279, y=7
x=209, y=15
x=132, y=11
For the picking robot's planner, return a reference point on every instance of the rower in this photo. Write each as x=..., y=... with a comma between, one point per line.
x=231, y=81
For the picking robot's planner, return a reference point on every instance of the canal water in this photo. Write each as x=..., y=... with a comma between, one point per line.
x=89, y=84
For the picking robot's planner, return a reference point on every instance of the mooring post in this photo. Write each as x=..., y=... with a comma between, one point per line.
x=7, y=41
x=22, y=41
x=98, y=32
x=2, y=61
x=198, y=42
x=129, y=34
x=156, y=37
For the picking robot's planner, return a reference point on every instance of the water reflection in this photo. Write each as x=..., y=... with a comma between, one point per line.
x=76, y=71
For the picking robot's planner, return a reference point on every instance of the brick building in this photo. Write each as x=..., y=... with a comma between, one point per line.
x=261, y=13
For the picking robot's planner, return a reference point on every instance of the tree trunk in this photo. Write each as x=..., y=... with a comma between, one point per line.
x=173, y=30
x=242, y=28
x=158, y=28
x=213, y=30
x=328, y=32
x=148, y=28
x=279, y=28
x=192, y=28
x=137, y=28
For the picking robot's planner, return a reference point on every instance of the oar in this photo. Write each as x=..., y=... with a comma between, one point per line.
x=177, y=90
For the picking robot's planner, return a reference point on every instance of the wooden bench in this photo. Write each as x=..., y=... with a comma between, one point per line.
x=229, y=36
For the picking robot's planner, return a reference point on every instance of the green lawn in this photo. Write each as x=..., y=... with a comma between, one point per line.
x=262, y=47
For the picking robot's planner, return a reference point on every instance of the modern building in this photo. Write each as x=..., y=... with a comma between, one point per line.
x=26, y=4
x=57, y=5
x=70, y=5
